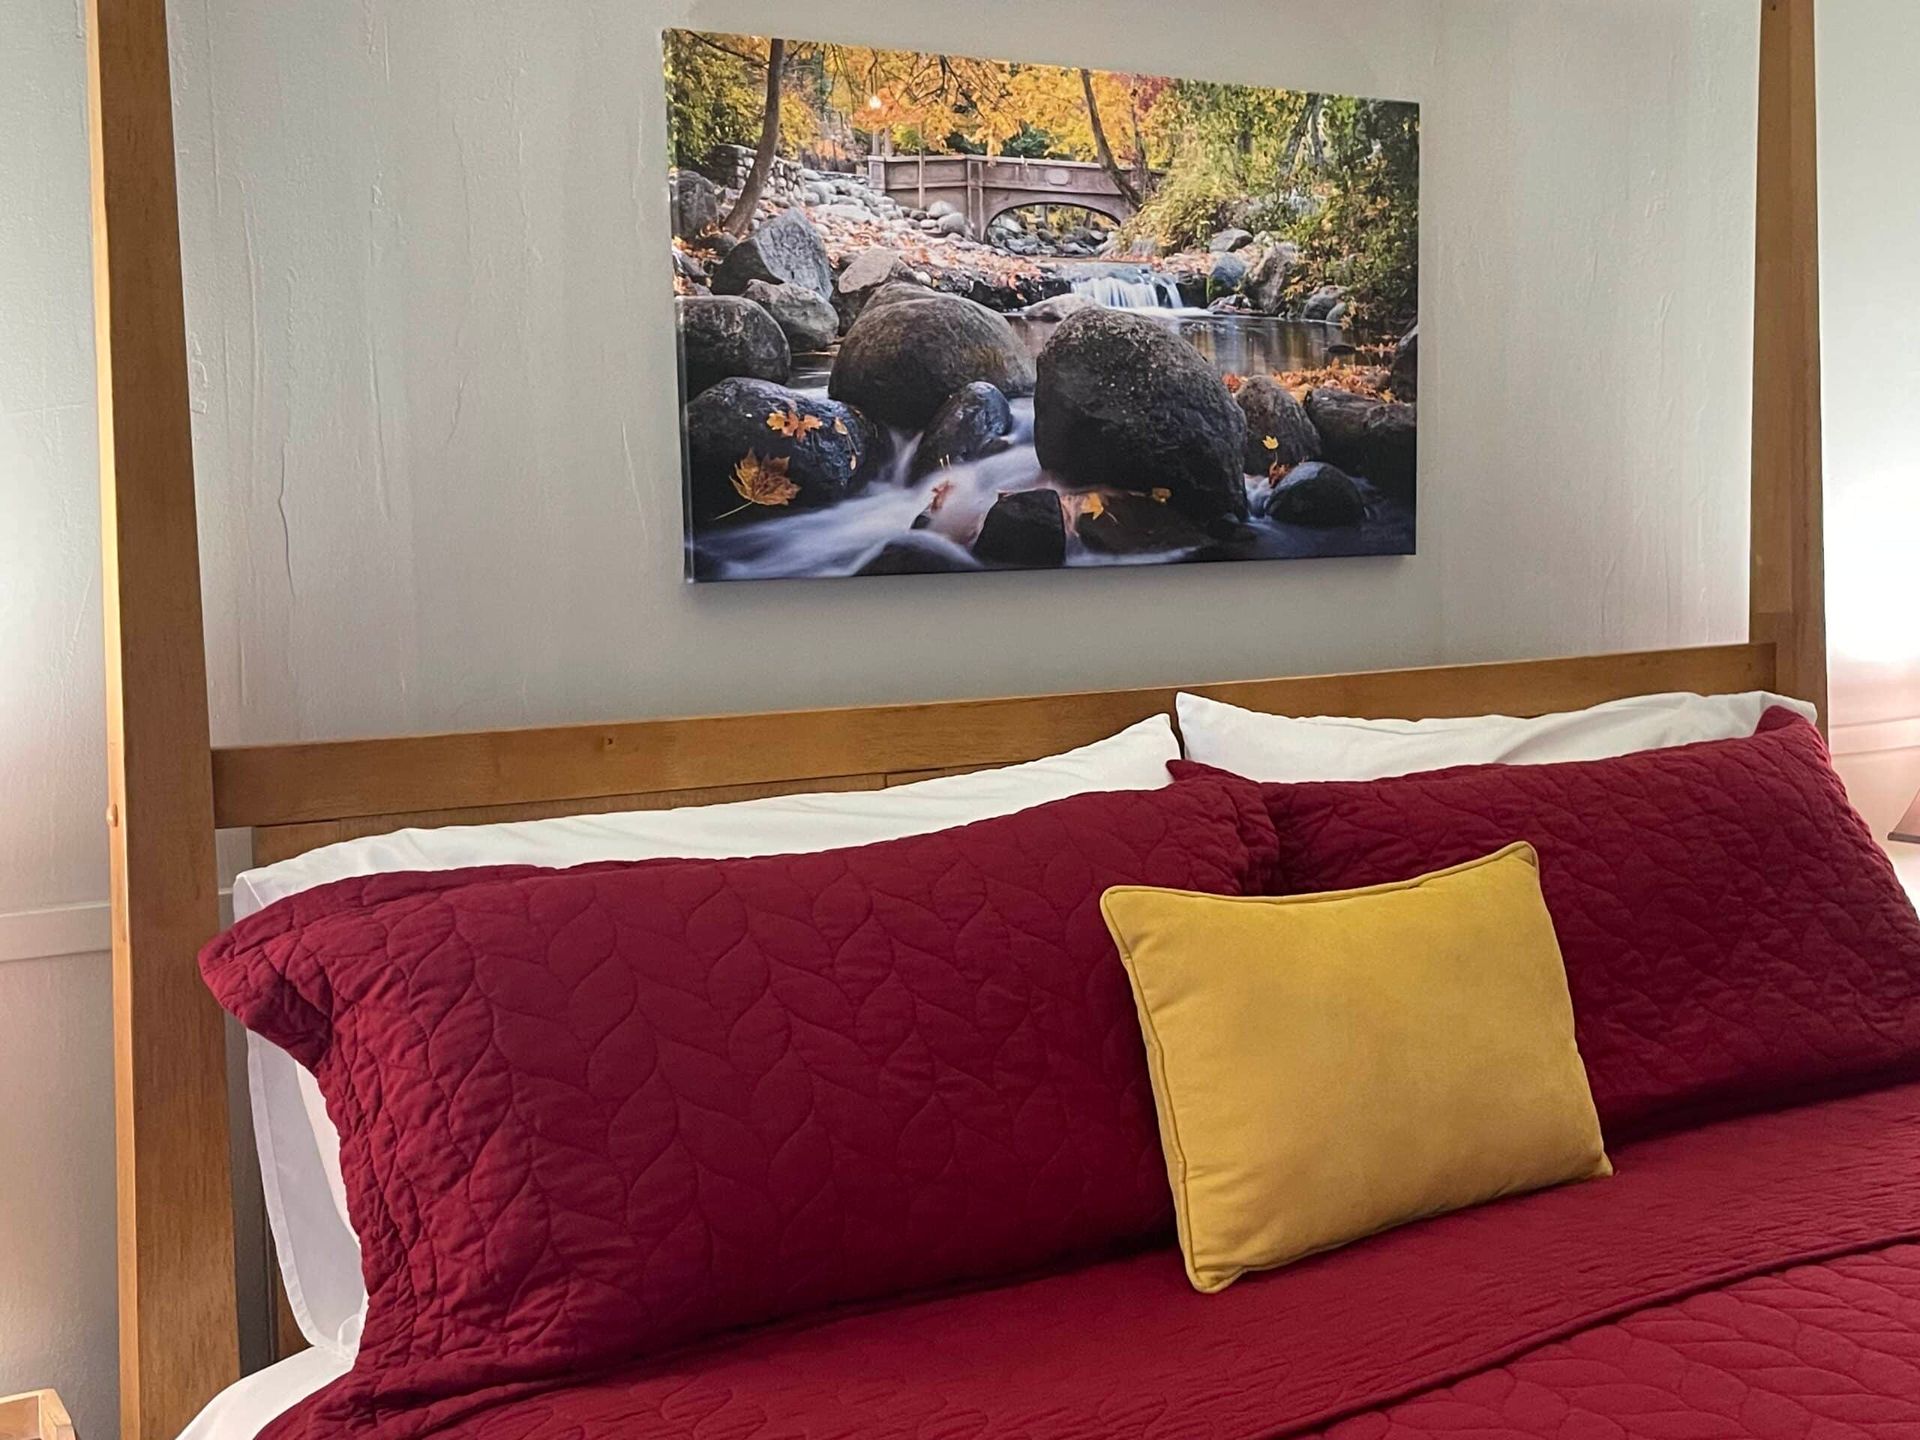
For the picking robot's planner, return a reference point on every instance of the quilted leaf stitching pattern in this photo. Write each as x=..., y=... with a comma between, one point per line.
x=595, y=1113
x=1733, y=937
x=1754, y=1278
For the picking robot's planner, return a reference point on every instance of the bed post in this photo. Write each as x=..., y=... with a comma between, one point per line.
x=1787, y=598
x=178, y=1333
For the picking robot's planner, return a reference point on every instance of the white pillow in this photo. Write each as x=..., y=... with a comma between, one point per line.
x=1285, y=748
x=299, y=1148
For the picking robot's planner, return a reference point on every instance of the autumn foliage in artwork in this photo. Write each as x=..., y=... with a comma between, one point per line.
x=946, y=313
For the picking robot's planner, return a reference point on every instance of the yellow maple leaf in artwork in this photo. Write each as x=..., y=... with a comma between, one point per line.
x=764, y=482
x=794, y=425
x=1092, y=508
x=1269, y=442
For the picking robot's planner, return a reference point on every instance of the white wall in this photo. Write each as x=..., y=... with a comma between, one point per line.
x=57, y=1315
x=50, y=707
x=56, y=1099
x=437, y=431
x=1870, y=297
x=434, y=419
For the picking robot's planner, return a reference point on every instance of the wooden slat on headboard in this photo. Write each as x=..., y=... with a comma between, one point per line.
x=441, y=774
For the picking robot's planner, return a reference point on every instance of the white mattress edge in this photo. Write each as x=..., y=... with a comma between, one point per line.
x=246, y=1407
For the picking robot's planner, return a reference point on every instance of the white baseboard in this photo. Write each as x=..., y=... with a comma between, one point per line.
x=60, y=931
x=55, y=932
x=1872, y=736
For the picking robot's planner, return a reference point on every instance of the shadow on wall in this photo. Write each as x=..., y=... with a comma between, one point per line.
x=57, y=1298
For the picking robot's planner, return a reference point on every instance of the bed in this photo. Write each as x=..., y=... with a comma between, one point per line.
x=1661, y=1311
x=1755, y=1276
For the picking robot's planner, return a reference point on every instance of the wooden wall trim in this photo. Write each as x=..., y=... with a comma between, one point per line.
x=1788, y=575
x=338, y=780
x=178, y=1328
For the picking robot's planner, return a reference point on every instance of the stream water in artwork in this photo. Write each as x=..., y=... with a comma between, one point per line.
x=946, y=508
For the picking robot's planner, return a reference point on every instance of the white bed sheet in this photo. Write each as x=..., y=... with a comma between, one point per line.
x=242, y=1410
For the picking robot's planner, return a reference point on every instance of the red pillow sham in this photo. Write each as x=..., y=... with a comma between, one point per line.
x=1734, y=938
x=592, y=1113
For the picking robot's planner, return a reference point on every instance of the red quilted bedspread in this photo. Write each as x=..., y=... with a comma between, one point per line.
x=1756, y=1278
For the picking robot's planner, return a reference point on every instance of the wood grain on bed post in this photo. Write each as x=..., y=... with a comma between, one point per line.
x=1788, y=594
x=178, y=1334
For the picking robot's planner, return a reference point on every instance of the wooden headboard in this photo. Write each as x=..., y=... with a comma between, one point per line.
x=298, y=797
x=169, y=788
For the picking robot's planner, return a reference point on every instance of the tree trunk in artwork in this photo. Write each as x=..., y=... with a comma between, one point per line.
x=1100, y=146
x=740, y=218
x=1142, y=176
x=1308, y=121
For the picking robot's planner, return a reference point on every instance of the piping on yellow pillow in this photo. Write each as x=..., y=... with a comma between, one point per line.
x=1326, y=1067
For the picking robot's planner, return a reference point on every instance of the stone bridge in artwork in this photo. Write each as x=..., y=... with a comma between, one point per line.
x=981, y=187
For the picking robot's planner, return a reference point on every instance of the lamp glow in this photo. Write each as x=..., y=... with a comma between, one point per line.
x=1871, y=525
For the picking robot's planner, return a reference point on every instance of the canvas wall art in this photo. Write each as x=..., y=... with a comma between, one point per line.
x=938, y=313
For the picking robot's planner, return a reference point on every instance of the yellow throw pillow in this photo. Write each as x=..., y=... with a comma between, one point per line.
x=1330, y=1066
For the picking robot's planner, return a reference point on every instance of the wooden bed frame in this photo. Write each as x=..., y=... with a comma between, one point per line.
x=170, y=788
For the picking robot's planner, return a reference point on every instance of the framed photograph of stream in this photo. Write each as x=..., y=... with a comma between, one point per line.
x=938, y=313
